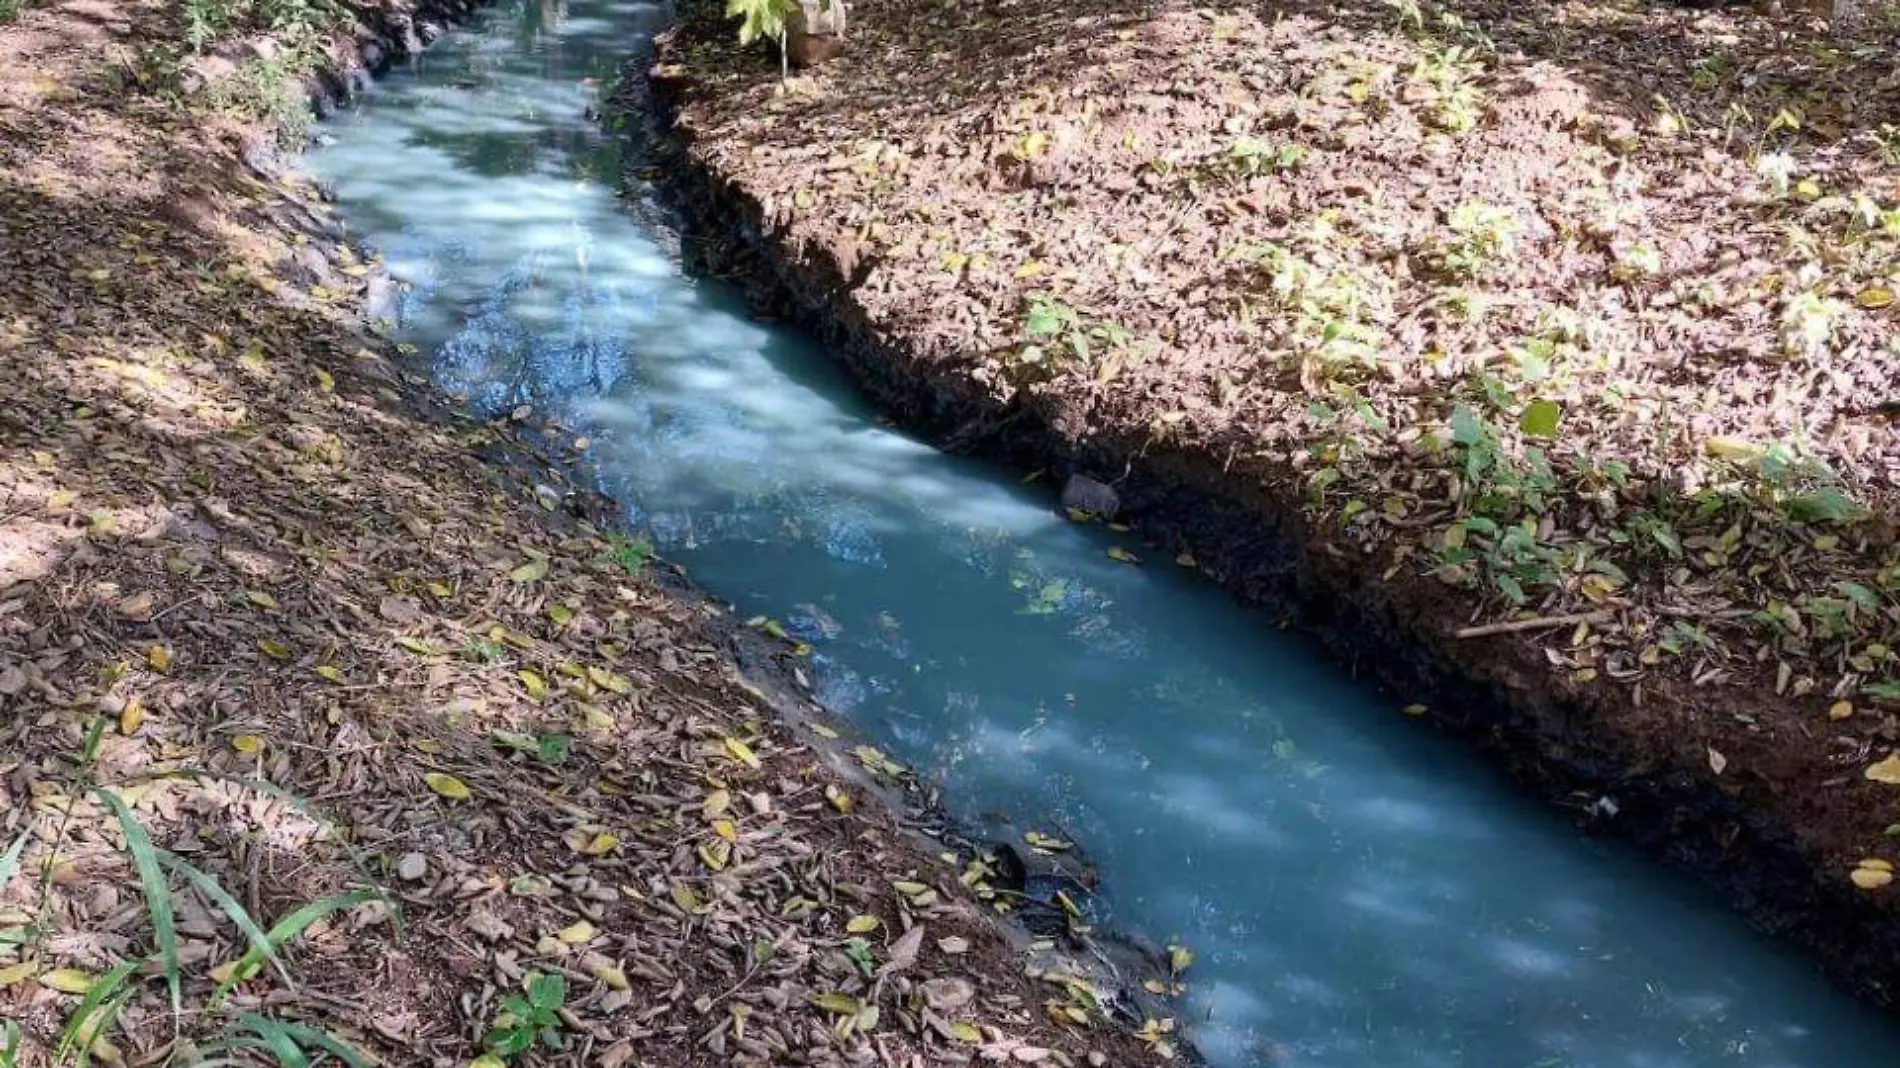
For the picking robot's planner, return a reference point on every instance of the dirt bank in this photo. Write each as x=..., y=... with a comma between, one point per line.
x=288, y=646
x=1531, y=355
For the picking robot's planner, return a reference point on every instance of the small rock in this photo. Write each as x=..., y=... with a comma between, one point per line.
x=412, y=866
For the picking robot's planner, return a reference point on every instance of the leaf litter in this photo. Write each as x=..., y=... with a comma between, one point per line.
x=380, y=718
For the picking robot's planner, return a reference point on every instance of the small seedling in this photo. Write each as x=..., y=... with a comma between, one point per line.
x=1485, y=236
x=522, y=1020
x=631, y=554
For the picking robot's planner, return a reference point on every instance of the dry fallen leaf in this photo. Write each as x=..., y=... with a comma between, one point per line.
x=447, y=785
x=1886, y=771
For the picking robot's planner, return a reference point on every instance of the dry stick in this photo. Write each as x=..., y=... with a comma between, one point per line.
x=1540, y=623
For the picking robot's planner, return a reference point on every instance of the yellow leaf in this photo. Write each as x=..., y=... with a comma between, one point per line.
x=325, y=382
x=909, y=889
x=273, y=648
x=330, y=672
x=560, y=614
x=1868, y=878
x=716, y=854
x=579, y=932
x=964, y=1032
x=18, y=972
x=247, y=744
x=823, y=731
x=131, y=716
x=717, y=803
x=726, y=829
x=611, y=977
x=416, y=646
x=260, y=598
x=684, y=897
x=1186, y=560
x=488, y=1060
x=1874, y=297
x=842, y=1004
x=447, y=785
x=1840, y=710
x=536, y=686
x=532, y=571
x=1126, y=557
x=600, y=844
x=861, y=924
x=1413, y=710
x=1180, y=959
x=159, y=657
x=1886, y=771
x=742, y=752
x=607, y=680
x=67, y=980
x=838, y=798
x=595, y=720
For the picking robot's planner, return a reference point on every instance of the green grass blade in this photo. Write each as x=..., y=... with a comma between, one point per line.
x=158, y=897
x=102, y=988
x=10, y=1042
x=290, y=927
x=271, y=789
x=311, y=1037
x=276, y=1038
x=210, y=888
x=10, y=860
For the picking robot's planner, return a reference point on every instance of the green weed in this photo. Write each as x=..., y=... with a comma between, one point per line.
x=1057, y=332
x=1484, y=236
x=85, y=1036
x=523, y=1020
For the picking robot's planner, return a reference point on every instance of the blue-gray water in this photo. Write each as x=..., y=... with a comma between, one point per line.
x=1360, y=892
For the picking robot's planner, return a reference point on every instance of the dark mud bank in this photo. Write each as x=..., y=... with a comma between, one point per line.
x=1498, y=695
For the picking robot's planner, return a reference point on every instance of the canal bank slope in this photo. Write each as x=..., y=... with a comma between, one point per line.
x=1537, y=357
x=283, y=637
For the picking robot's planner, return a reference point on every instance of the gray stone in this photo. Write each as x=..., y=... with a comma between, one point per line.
x=1084, y=494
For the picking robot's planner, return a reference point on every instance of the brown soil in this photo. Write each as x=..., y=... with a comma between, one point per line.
x=1570, y=321
x=243, y=541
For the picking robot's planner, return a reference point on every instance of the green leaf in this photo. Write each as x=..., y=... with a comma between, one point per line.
x=82, y=1027
x=158, y=895
x=275, y=1037
x=288, y=928
x=1540, y=418
x=10, y=860
x=217, y=895
x=546, y=990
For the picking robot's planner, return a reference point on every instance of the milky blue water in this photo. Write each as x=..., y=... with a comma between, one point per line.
x=1360, y=892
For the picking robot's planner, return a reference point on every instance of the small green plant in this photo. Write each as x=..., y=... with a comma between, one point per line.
x=1711, y=72
x=1777, y=169
x=632, y=554
x=1451, y=73
x=1807, y=324
x=523, y=1020
x=9, y=11
x=1887, y=143
x=1058, y=332
x=1484, y=236
x=1251, y=156
x=764, y=19
x=85, y=1035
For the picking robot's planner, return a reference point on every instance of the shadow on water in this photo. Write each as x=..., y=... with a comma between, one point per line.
x=1359, y=891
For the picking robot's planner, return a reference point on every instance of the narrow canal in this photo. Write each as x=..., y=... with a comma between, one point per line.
x=1359, y=892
